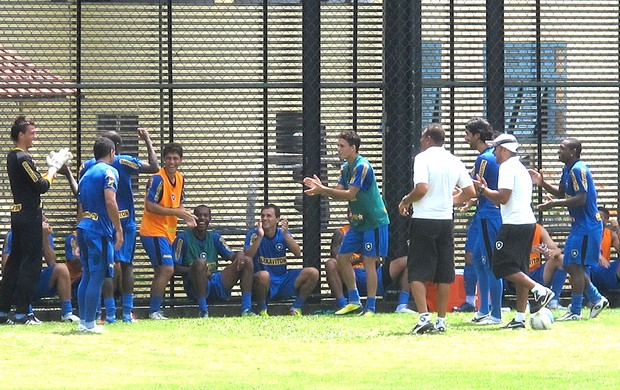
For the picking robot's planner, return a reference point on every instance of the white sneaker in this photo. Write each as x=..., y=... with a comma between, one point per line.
x=158, y=315
x=479, y=317
x=598, y=307
x=70, y=318
x=97, y=329
x=402, y=308
x=489, y=320
x=81, y=327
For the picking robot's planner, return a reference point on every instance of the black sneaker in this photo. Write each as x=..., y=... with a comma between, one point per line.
x=541, y=300
x=30, y=319
x=421, y=328
x=464, y=308
x=5, y=320
x=514, y=324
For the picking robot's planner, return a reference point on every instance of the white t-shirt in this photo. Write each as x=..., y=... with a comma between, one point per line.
x=514, y=176
x=442, y=171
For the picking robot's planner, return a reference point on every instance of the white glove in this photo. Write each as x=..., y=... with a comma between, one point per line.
x=58, y=159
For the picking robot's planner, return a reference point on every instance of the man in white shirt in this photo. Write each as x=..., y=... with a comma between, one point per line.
x=436, y=174
x=514, y=240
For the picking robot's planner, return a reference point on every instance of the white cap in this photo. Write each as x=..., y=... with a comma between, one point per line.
x=507, y=141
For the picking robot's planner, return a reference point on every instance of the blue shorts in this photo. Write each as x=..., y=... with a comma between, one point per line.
x=215, y=288
x=96, y=252
x=283, y=286
x=159, y=250
x=486, y=232
x=360, y=281
x=582, y=249
x=606, y=278
x=369, y=243
x=125, y=254
x=537, y=274
x=44, y=290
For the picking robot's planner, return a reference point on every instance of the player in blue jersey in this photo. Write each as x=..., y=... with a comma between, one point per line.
x=267, y=246
x=368, y=234
x=99, y=231
x=54, y=279
x=576, y=192
x=196, y=252
x=127, y=166
x=485, y=223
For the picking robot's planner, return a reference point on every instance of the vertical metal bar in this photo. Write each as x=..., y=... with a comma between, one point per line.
x=354, y=60
x=311, y=99
x=160, y=79
x=539, y=102
x=78, y=78
x=170, y=76
x=452, y=103
x=265, y=103
x=402, y=107
x=495, y=64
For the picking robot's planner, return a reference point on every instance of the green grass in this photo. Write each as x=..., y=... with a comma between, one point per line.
x=323, y=352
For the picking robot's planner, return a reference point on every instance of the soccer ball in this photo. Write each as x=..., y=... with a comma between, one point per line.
x=542, y=320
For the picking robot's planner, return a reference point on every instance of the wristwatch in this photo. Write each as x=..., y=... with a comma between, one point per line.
x=481, y=189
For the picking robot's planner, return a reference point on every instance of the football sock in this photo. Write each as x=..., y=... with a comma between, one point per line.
x=592, y=294
x=575, y=303
x=66, y=307
x=92, y=294
x=202, y=304
x=4, y=314
x=299, y=302
x=471, y=299
x=520, y=317
x=441, y=321
x=127, y=302
x=19, y=316
x=30, y=309
x=538, y=288
x=156, y=301
x=403, y=297
x=342, y=302
x=262, y=305
x=246, y=301
x=424, y=317
x=557, y=282
x=483, y=285
x=496, y=289
x=354, y=296
x=110, y=307
x=371, y=303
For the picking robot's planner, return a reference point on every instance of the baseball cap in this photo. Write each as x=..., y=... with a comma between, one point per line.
x=507, y=141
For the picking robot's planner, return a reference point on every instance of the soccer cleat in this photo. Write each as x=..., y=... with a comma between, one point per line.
x=555, y=305
x=489, y=320
x=263, y=313
x=541, y=300
x=402, y=308
x=131, y=318
x=295, y=312
x=598, y=307
x=424, y=327
x=440, y=327
x=464, y=308
x=569, y=316
x=479, y=317
x=70, y=317
x=367, y=313
x=5, y=320
x=29, y=319
x=97, y=329
x=514, y=324
x=110, y=320
x=248, y=313
x=81, y=327
x=158, y=315
x=203, y=314
x=350, y=308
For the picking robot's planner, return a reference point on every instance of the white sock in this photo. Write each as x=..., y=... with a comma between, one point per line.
x=425, y=317
x=538, y=288
x=520, y=317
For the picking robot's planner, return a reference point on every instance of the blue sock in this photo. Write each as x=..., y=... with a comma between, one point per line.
x=246, y=301
x=30, y=310
x=371, y=303
x=470, y=279
x=202, y=304
x=403, y=297
x=354, y=297
x=110, y=307
x=299, y=302
x=341, y=302
x=575, y=303
x=4, y=314
x=262, y=305
x=592, y=293
x=91, y=294
x=19, y=316
x=156, y=301
x=557, y=282
x=66, y=307
x=127, y=301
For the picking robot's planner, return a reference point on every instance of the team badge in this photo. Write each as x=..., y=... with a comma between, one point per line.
x=499, y=245
x=484, y=259
x=279, y=247
x=368, y=246
x=173, y=196
x=203, y=255
x=574, y=253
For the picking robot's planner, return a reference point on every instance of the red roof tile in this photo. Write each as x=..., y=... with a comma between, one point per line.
x=22, y=79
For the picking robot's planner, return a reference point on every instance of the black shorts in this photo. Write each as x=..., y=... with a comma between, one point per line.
x=431, y=251
x=512, y=250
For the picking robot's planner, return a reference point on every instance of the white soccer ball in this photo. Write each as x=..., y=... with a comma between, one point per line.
x=542, y=320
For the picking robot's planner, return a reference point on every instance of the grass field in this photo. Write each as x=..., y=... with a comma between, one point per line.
x=320, y=352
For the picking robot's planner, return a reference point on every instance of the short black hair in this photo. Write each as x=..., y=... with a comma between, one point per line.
x=20, y=124
x=173, y=147
x=201, y=206
x=352, y=138
x=275, y=208
x=115, y=137
x=480, y=126
x=103, y=146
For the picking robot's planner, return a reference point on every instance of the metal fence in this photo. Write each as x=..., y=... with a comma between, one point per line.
x=257, y=91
